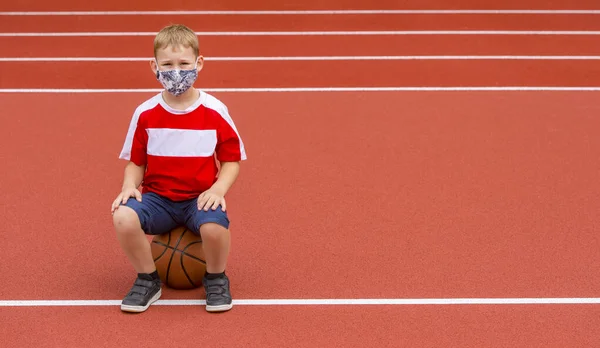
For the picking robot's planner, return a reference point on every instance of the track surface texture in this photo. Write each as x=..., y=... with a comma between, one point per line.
x=364, y=195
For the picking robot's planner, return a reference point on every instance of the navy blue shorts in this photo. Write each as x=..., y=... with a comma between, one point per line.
x=160, y=215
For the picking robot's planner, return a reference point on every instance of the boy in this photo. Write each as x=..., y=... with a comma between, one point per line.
x=174, y=144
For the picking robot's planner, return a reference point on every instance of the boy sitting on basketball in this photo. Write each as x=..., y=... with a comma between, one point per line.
x=176, y=142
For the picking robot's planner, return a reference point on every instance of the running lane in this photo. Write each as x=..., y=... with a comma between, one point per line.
x=136, y=5
x=137, y=23
x=300, y=326
x=218, y=74
x=480, y=194
x=349, y=45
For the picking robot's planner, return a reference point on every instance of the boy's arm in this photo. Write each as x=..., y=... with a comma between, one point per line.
x=215, y=196
x=131, y=181
x=133, y=176
x=227, y=175
x=229, y=152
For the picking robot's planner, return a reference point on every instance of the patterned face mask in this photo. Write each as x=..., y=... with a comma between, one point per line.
x=177, y=81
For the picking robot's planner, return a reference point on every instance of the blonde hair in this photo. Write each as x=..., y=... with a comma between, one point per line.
x=175, y=35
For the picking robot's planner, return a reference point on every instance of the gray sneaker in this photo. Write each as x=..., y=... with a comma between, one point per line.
x=144, y=292
x=218, y=296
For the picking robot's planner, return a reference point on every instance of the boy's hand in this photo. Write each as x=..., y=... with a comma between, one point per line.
x=210, y=200
x=124, y=196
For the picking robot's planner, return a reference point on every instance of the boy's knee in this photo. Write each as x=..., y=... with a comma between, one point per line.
x=212, y=231
x=126, y=220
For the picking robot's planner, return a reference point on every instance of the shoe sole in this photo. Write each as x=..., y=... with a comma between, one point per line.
x=221, y=308
x=139, y=309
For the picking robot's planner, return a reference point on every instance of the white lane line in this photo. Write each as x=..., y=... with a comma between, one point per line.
x=302, y=58
x=317, y=302
x=294, y=12
x=316, y=33
x=314, y=89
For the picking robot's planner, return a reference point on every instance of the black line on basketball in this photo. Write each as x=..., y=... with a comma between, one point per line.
x=183, y=253
x=173, y=254
x=162, y=244
x=164, y=250
x=184, y=271
x=183, y=250
x=190, y=255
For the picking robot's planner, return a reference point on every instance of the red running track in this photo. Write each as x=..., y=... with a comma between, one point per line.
x=438, y=194
x=478, y=195
x=156, y=5
x=137, y=23
x=218, y=74
x=345, y=195
x=232, y=46
x=333, y=327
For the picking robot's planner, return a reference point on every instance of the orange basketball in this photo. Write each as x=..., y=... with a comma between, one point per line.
x=179, y=258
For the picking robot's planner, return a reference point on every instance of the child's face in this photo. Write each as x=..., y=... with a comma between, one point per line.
x=173, y=57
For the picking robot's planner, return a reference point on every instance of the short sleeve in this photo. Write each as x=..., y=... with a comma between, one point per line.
x=134, y=148
x=139, y=146
x=230, y=147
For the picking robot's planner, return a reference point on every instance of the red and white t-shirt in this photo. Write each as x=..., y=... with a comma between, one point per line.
x=178, y=147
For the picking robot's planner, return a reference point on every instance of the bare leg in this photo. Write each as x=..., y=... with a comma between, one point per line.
x=133, y=240
x=216, y=241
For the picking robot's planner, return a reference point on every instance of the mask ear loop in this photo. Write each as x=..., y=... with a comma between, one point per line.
x=157, y=69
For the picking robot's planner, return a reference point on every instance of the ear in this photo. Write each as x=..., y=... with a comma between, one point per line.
x=200, y=63
x=153, y=66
